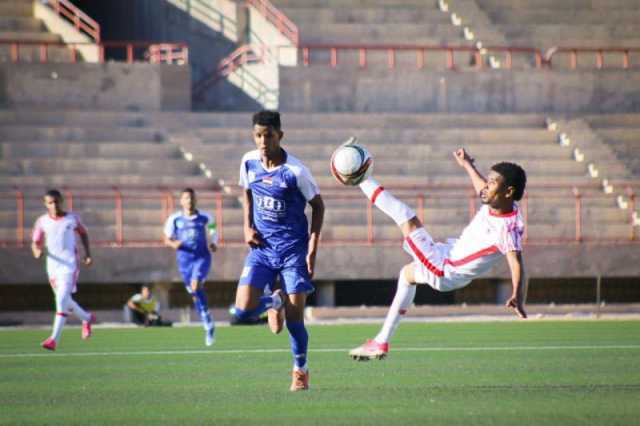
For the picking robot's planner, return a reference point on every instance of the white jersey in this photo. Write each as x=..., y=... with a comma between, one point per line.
x=58, y=234
x=451, y=265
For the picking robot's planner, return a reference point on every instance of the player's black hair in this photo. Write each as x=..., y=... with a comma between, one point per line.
x=267, y=118
x=190, y=191
x=53, y=193
x=514, y=176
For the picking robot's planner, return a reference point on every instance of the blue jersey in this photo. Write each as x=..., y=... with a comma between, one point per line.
x=192, y=232
x=279, y=197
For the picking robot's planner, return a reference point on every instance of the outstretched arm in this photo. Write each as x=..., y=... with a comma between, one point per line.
x=466, y=162
x=516, y=266
x=317, y=218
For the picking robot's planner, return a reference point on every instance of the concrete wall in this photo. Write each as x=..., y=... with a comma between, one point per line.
x=109, y=86
x=113, y=265
x=323, y=89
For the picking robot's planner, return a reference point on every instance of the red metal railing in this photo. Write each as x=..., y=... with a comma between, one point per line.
x=245, y=54
x=80, y=20
x=168, y=53
x=130, y=50
x=122, y=200
x=421, y=51
x=279, y=19
x=598, y=52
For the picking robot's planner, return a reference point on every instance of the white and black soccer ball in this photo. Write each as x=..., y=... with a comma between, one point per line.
x=351, y=163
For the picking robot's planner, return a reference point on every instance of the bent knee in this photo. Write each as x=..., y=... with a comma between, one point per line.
x=409, y=272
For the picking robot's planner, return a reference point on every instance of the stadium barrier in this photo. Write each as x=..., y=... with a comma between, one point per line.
x=599, y=53
x=420, y=51
x=218, y=201
x=154, y=52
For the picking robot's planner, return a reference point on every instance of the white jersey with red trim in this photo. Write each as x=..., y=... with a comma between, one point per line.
x=485, y=240
x=58, y=234
x=452, y=265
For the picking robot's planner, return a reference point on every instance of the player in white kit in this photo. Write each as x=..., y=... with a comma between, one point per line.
x=56, y=231
x=495, y=231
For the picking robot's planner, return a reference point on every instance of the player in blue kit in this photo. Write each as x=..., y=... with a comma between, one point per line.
x=188, y=233
x=277, y=188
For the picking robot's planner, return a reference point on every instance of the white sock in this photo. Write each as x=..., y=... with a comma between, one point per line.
x=390, y=205
x=58, y=325
x=401, y=302
x=77, y=310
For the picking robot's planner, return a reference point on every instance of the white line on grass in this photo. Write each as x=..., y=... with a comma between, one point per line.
x=258, y=351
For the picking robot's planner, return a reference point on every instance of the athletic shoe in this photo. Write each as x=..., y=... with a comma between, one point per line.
x=86, y=327
x=209, y=338
x=49, y=344
x=275, y=317
x=370, y=350
x=299, y=380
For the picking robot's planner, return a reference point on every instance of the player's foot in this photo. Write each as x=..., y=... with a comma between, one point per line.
x=86, y=327
x=275, y=317
x=370, y=350
x=299, y=380
x=209, y=338
x=49, y=344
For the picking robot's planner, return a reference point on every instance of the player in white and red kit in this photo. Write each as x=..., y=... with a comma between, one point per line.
x=56, y=231
x=495, y=231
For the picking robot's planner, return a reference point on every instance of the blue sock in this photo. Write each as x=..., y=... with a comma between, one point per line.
x=299, y=339
x=265, y=303
x=200, y=303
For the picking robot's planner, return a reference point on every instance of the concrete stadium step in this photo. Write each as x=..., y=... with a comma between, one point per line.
x=96, y=166
x=403, y=181
x=242, y=121
x=17, y=8
x=76, y=133
x=390, y=136
x=33, y=36
x=406, y=33
x=426, y=15
x=602, y=121
x=338, y=4
x=570, y=29
x=536, y=15
x=93, y=181
x=82, y=150
x=19, y=24
x=563, y=6
x=78, y=118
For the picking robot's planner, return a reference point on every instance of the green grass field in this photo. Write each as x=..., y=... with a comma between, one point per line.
x=511, y=373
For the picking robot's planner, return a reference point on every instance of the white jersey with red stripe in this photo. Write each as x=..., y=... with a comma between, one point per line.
x=451, y=265
x=58, y=234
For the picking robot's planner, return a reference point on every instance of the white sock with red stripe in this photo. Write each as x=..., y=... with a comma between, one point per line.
x=390, y=205
x=401, y=302
x=58, y=325
x=77, y=310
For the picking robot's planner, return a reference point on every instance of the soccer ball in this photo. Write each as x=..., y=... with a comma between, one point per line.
x=351, y=163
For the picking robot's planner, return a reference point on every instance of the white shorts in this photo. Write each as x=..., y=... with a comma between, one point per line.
x=429, y=261
x=64, y=281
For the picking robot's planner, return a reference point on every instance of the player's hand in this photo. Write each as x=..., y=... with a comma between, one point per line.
x=462, y=157
x=37, y=253
x=252, y=238
x=87, y=260
x=516, y=305
x=311, y=264
x=213, y=247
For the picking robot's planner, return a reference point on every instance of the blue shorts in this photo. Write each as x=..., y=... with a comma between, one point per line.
x=194, y=269
x=260, y=272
